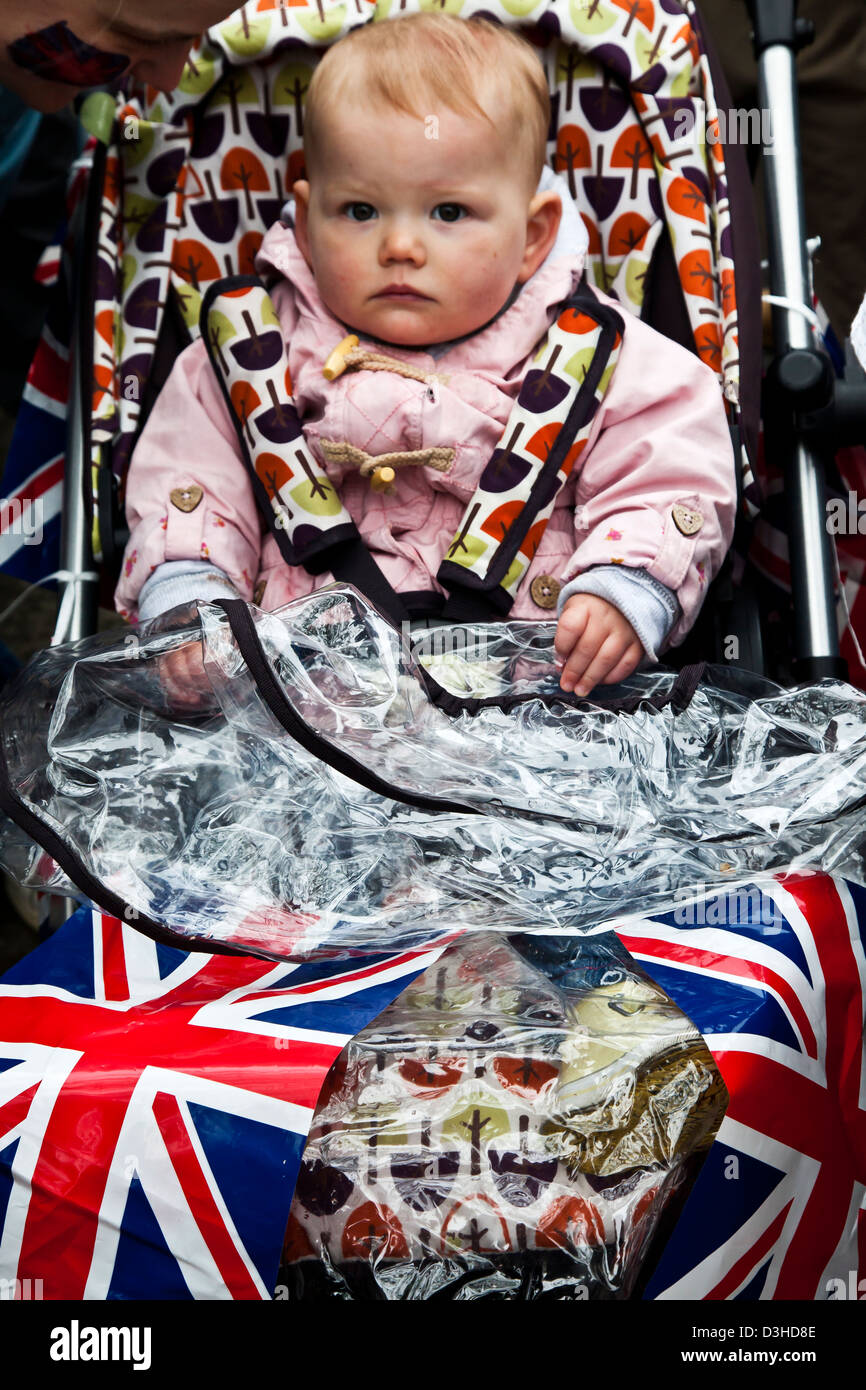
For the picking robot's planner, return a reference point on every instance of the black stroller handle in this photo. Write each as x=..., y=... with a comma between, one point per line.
x=777, y=22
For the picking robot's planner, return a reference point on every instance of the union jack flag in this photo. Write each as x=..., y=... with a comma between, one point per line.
x=154, y=1105
x=31, y=489
x=31, y=479
x=779, y=1208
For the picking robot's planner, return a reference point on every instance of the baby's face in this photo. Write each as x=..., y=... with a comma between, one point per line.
x=416, y=240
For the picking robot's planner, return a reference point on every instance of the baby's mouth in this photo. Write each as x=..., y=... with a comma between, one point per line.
x=399, y=292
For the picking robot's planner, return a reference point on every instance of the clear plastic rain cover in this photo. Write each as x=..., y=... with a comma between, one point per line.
x=526, y=1118
x=325, y=783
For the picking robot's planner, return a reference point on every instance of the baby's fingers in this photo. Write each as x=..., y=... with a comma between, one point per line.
x=588, y=663
x=628, y=663
x=184, y=679
x=571, y=627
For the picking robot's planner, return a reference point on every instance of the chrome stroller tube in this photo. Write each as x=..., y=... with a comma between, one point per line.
x=76, y=594
x=77, y=591
x=77, y=586
x=801, y=377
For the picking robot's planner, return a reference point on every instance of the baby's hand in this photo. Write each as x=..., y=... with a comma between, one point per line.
x=596, y=643
x=183, y=679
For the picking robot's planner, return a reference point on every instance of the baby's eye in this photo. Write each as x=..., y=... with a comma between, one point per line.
x=359, y=212
x=449, y=212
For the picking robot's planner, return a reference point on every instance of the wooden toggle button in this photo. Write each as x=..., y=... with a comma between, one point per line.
x=382, y=479
x=336, y=363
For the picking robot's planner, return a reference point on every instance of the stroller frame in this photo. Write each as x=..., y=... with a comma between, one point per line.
x=806, y=411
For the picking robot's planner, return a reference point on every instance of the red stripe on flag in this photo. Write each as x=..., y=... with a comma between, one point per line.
x=368, y=972
x=729, y=965
x=68, y=1185
x=818, y=899
x=13, y=1112
x=35, y=486
x=49, y=373
x=773, y=1099
x=113, y=960
x=197, y=1191
x=748, y=1262
x=47, y=271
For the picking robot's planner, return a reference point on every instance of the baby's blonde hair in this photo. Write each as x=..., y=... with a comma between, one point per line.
x=416, y=61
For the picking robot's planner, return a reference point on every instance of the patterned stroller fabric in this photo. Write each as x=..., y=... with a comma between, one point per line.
x=193, y=180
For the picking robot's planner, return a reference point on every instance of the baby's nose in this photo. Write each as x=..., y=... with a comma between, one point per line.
x=400, y=242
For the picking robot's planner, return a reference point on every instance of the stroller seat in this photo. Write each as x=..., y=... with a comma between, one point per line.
x=190, y=182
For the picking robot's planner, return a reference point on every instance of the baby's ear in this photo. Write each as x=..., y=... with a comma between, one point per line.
x=542, y=224
x=301, y=190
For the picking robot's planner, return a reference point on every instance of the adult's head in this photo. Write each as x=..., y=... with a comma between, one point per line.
x=51, y=49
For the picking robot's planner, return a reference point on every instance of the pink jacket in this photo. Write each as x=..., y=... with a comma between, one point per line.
x=659, y=442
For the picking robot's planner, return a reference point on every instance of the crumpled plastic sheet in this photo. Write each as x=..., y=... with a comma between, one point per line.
x=518, y=1124
x=557, y=814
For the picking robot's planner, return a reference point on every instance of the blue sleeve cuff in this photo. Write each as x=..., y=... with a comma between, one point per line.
x=181, y=581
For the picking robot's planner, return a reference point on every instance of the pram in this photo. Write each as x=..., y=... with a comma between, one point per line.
x=175, y=237
x=160, y=218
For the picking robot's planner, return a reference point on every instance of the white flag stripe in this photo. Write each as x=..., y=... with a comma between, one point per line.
x=845, y=1257
x=213, y=1185
x=12, y=541
x=51, y=1066
x=798, y=1175
x=809, y=1066
x=141, y=1153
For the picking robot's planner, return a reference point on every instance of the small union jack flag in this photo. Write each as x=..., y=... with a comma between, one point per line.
x=154, y=1105
x=777, y=988
x=31, y=485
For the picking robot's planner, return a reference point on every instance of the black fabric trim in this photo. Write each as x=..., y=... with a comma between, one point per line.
x=352, y=563
x=469, y=601
x=544, y=487
x=679, y=696
x=423, y=603
x=20, y=813
x=244, y=632
x=746, y=258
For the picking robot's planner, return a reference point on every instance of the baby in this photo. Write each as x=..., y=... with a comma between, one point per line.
x=429, y=226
